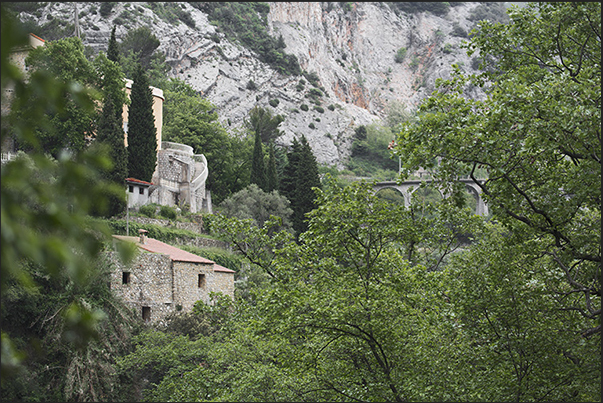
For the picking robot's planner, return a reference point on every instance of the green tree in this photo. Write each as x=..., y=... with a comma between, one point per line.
x=271, y=169
x=252, y=202
x=111, y=134
x=306, y=180
x=140, y=43
x=70, y=127
x=523, y=347
x=262, y=121
x=142, y=134
x=346, y=316
x=47, y=236
x=113, y=48
x=111, y=82
x=537, y=133
x=258, y=166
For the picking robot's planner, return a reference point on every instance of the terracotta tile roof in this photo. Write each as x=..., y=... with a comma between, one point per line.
x=217, y=267
x=134, y=180
x=176, y=254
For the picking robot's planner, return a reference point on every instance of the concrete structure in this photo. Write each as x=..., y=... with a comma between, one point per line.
x=408, y=187
x=180, y=178
x=163, y=279
x=138, y=192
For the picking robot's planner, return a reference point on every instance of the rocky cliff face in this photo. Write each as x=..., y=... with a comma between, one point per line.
x=352, y=52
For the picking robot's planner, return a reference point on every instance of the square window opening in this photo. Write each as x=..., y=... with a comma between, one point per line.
x=141, y=190
x=201, y=280
x=126, y=277
x=146, y=313
x=131, y=188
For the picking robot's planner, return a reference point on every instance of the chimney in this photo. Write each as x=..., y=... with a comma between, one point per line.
x=143, y=236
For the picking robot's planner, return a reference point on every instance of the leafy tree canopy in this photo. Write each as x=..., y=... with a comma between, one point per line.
x=537, y=134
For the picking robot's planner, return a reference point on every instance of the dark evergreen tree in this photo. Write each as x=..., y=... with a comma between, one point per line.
x=299, y=177
x=258, y=167
x=306, y=179
x=287, y=184
x=110, y=133
x=113, y=49
x=142, y=134
x=271, y=172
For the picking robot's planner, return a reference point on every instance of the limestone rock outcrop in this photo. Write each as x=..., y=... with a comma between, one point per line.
x=351, y=50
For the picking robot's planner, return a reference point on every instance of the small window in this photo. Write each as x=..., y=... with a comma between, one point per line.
x=141, y=190
x=131, y=189
x=201, y=281
x=146, y=313
x=125, y=278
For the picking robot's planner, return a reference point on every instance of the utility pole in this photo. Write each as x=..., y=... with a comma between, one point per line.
x=77, y=22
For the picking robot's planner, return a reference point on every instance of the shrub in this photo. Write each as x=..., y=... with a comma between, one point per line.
x=315, y=92
x=311, y=126
x=400, y=55
x=331, y=107
x=148, y=210
x=251, y=85
x=274, y=102
x=319, y=109
x=106, y=8
x=168, y=212
x=304, y=107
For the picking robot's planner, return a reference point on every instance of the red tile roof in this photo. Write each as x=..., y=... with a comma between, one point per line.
x=217, y=267
x=176, y=254
x=134, y=180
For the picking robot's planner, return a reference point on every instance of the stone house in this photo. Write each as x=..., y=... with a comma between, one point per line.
x=162, y=279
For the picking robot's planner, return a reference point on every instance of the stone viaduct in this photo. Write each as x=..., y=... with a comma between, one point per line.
x=406, y=189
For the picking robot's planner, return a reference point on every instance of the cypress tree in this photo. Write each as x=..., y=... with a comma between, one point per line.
x=271, y=174
x=258, y=169
x=113, y=49
x=287, y=184
x=299, y=177
x=306, y=178
x=110, y=133
x=142, y=134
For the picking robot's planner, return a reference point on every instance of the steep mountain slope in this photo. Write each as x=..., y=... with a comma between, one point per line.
x=350, y=47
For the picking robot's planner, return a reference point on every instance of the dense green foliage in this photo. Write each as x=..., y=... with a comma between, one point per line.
x=54, y=295
x=369, y=150
x=370, y=300
x=272, y=177
x=258, y=205
x=69, y=126
x=142, y=133
x=258, y=165
x=538, y=136
x=262, y=121
x=113, y=48
x=111, y=135
x=299, y=178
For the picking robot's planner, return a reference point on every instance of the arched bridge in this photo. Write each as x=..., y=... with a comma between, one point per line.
x=406, y=188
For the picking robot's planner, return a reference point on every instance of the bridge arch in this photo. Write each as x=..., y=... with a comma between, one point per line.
x=407, y=188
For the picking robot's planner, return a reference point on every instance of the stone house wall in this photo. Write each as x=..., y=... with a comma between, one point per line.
x=150, y=283
x=164, y=286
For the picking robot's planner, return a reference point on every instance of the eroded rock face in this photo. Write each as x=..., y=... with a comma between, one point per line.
x=351, y=51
